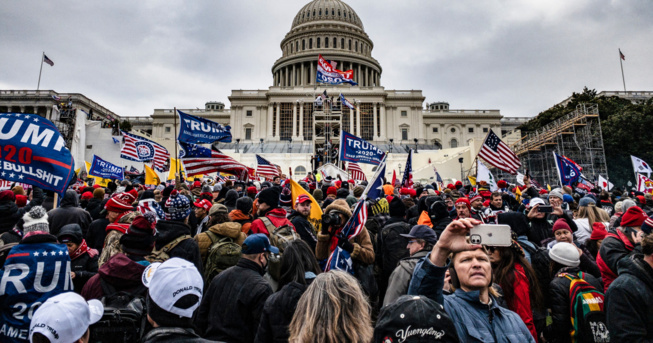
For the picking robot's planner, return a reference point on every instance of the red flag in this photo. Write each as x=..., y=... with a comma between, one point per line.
x=394, y=177
x=621, y=54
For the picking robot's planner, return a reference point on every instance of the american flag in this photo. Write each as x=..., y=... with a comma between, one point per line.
x=340, y=259
x=498, y=154
x=407, y=179
x=265, y=168
x=356, y=171
x=324, y=95
x=47, y=60
x=346, y=102
x=199, y=160
x=139, y=149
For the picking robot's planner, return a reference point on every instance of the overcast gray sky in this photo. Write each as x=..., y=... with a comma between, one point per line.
x=520, y=57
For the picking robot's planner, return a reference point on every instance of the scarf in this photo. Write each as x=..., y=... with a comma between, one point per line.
x=334, y=240
x=82, y=249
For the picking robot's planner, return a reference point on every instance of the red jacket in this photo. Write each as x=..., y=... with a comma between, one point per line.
x=615, y=246
x=521, y=300
x=120, y=272
x=277, y=216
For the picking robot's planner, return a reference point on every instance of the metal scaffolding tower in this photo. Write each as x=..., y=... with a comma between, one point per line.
x=576, y=135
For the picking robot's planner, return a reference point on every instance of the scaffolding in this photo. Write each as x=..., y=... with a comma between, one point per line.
x=576, y=135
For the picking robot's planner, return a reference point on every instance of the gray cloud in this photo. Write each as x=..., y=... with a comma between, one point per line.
x=517, y=56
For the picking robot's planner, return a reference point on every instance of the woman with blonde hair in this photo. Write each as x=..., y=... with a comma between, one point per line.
x=333, y=309
x=587, y=215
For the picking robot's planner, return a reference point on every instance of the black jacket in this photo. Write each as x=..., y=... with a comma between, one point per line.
x=68, y=212
x=560, y=304
x=304, y=228
x=10, y=214
x=629, y=302
x=278, y=312
x=96, y=234
x=169, y=230
x=84, y=267
x=170, y=335
x=541, y=229
x=233, y=303
x=94, y=207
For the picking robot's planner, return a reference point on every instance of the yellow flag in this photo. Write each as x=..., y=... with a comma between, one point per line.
x=548, y=187
x=78, y=170
x=151, y=177
x=98, y=180
x=318, y=177
x=315, y=217
x=173, y=168
x=472, y=180
x=518, y=193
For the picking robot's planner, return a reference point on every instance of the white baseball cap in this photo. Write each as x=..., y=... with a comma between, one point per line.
x=65, y=317
x=171, y=280
x=536, y=201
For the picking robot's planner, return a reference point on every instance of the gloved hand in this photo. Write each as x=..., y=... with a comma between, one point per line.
x=345, y=244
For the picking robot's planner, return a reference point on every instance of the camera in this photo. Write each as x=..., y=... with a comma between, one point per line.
x=331, y=219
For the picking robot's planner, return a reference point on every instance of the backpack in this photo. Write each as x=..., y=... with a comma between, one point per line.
x=222, y=254
x=124, y=318
x=540, y=262
x=393, y=246
x=162, y=255
x=280, y=237
x=587, y=313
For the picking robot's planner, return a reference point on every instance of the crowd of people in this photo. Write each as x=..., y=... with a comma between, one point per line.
x=228, y=261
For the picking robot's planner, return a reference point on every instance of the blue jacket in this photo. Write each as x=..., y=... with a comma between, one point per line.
x=475, y=321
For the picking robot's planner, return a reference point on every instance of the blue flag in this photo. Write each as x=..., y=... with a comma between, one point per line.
x=199, y=130
x=567, y=170
x=358, y=150
x=340, y=260
x=374, y=189
x=189, y=150
x=33, y=152
x=106, y=170
x=32, y=273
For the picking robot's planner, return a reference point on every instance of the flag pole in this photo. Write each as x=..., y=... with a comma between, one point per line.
x=176, y=154
x=620, y=63
x=41, y=70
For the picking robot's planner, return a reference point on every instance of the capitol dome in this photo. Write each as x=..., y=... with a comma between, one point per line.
x=334, y=30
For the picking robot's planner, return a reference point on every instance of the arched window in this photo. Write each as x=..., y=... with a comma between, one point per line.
x=350, y=45
x=291, y=48
x=342, y=43
x=334, y=42
x=453, y=143
x=314, y=13
x=320, y=12
x=318, y=42
x=297, y=46
x=356, y=45
x=303, y=44
x=310, y=43
x=338, y=13
x=300, y=171
x=333, y=12
x=326, y=42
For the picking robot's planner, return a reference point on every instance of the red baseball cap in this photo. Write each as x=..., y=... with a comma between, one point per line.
x=302, y=198
x=205, y=204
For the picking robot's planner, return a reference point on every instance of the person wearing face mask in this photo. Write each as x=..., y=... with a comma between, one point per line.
x=233, y=303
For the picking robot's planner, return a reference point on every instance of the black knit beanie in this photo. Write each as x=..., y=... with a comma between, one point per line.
x=269, y=196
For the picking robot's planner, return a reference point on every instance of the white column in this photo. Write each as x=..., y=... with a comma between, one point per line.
x=303, y=75
x=374, y=130
x=383, y=134
x=358, y=120
x=301, y=121
x=359, y=79
x=294, y=121
x=351, y=122
x=278, y=134
x=269, y=130
x=312, y=80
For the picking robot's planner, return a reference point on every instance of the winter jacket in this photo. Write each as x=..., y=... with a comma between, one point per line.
x=521, y=300
x=614, y=248
x=400, y=277
x=10, y=214
x=390, y=249
x=363, y=251
x=228, y=229
x=169, y=230
x=304, y=228
x=560, y=304
x=69, y=212
x=277, y=216
x=233, y=303
x=120, y=271
x=230, y=200
x=629, y=302
x=173, y=335
x=84, y=267
x=587, y=262
x=112, y=241
x=541, y=229
x=245, y=220
x=474, y=321
x=97, y=233
x=278, y=312
x=94, y=207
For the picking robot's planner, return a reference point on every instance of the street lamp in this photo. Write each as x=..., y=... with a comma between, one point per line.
x=399, y=165
x=261, y=140
x=462, y=173
x=415, y=140
x=391, y=144
x=289, y=144
x=237, y=142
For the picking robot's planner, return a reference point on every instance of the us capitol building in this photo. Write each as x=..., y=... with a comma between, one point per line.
x=284, y=123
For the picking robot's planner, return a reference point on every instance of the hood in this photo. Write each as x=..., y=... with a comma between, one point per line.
x=636, y=266
x=70, y=199
x=277, y=212
x=168, y=230
x=239, y=215
x=228, y=229
x=121, y=271
x=230, y=198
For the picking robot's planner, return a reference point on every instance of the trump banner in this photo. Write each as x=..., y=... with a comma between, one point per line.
x=327, y=73
x=197, y=130
x=104, y=169
x=567, y=170
x=357, y=150
x=32, y=151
